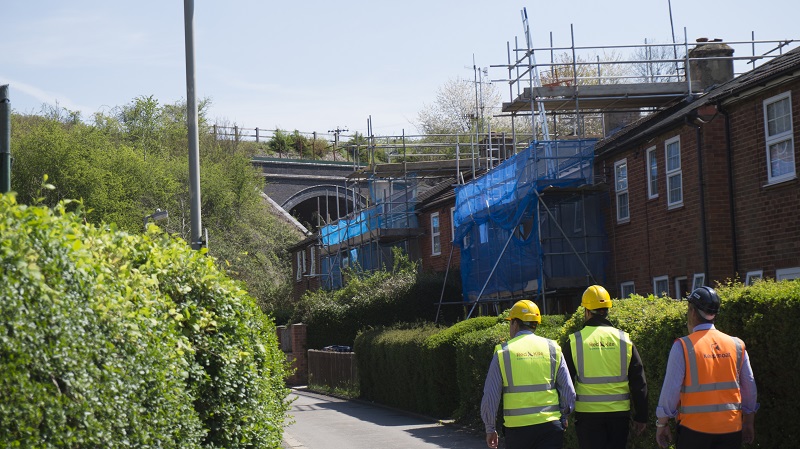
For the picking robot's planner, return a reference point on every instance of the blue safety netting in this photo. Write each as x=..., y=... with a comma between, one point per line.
x=499, y=220
x=353, y=241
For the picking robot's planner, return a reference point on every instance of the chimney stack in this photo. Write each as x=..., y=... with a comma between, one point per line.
x=707, y=67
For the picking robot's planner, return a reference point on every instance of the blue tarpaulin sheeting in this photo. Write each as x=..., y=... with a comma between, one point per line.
x=501, y=210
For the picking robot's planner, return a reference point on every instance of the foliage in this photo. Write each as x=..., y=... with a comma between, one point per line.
x=462, y=106
x=112, y=340
x=134, y=159
x=764, y=315
x=389, y=366
x=369, y=299
x=439, y=352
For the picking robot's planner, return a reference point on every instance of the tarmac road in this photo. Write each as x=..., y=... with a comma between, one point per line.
x=324, y=422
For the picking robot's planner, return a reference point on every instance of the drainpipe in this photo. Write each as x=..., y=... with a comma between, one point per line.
x=701, y=190
x=729, y=154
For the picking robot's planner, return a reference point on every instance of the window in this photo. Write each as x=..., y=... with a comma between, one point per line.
x=626, y=289
x=578, y=217
x=780, y=143
x=313, y=270
x=681, y=287
x=661, y=286
x=784, y=274
x=298, y=266
x=452, y=224
x=652, y=173
x=436, y=241
x=752, y=276
x=672, y=150
x=303, y=258
x=621, y=187
x=699, y=280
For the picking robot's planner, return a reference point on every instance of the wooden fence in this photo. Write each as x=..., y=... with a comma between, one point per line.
x=332, y=369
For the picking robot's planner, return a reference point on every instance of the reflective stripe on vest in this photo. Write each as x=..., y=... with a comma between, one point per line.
x=710, y=395
x=607, y=389
x=529, y=394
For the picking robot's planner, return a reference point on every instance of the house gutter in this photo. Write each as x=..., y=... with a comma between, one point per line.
x=700, y=179
x=729, y=155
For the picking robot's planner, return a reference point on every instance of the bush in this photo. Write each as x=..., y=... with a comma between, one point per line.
x=112, y=340
x=389, y=359
x=381, y=298
x=440, y=363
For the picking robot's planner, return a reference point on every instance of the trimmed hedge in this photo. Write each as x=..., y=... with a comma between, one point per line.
x=114, y=340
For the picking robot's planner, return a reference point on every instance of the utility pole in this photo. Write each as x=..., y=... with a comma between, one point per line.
x=5, y=140
x=196, y=238
x=336, y=133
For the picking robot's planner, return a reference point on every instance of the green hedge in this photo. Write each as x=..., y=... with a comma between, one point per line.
x=113, y=340
x=389, y=359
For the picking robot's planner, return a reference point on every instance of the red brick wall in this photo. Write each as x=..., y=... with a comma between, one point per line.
x=438, y=263
x=292, y=341
x=306, y=282
x=657, y=240
x=767, y=217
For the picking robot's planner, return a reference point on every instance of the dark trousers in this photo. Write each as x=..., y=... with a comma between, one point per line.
x=691, y=439
x=549, y=435
x=601, y=431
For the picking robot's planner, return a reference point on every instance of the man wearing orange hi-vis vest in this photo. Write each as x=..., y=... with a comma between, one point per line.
x=709, y=386
x=609, y=377
x=529, y=374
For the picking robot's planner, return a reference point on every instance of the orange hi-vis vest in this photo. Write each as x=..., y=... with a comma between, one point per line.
x=711, y=401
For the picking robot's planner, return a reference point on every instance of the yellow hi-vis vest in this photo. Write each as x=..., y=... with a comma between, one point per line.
x=602, y=355
x=528, y=365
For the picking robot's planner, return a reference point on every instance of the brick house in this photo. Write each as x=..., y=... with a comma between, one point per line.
x=305, y=266
x=707, y=190
x=435, y=210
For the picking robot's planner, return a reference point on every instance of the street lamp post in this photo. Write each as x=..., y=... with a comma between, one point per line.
x=155, y=216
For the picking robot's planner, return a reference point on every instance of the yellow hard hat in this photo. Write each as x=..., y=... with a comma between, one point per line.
x=525, y=310
x=596, y=297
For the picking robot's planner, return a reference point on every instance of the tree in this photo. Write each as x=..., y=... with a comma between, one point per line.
x=134, y=160
x=458, y=109
x=658, y=63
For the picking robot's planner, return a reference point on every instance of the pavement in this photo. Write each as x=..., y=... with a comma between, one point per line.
x=317, y=421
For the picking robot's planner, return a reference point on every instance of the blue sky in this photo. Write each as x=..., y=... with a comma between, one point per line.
x=314, y=65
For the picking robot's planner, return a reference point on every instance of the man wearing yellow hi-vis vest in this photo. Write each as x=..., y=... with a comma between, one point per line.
x=530, y=373
x=608, y=375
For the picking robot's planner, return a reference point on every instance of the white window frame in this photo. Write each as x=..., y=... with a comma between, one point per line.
x=674, y=173
x=313, y=270
x=627, y=287
x=452, y=224
x=652, y=178
x=698, y=280
x=782, y=274
x=436, y=232
x=678, y=286
x=751, y=276
x=298, y=266
x=621, y=191
x=656, y=280
x=780, y=137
